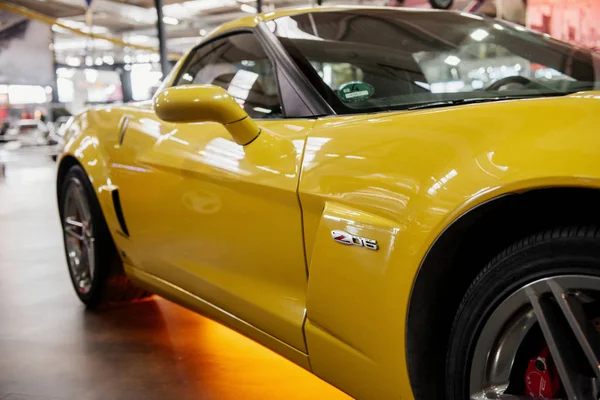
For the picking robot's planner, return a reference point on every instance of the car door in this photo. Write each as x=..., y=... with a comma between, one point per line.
x=217, y=219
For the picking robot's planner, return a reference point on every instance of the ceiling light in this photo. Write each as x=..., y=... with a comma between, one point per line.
x=71, y=23
x=98, y=61
x=479, y=35
x=108, y=60
x=141, y=39
x=205, y=4
x=59, y=29
x=248, y=9
x=170, y=20
x=66, y=73
x=90, y=75
x=142, y=58
x=154, y=57
x=73, y=61
x=452, y=60
x=202, y=32
x=89, y=61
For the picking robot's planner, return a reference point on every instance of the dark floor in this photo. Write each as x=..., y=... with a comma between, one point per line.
x=51, y=348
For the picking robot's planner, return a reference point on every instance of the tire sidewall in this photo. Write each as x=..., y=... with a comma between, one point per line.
x=99, y=231
x=568, y=256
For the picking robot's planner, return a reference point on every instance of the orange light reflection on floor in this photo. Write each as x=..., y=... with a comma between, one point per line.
x=227, y=365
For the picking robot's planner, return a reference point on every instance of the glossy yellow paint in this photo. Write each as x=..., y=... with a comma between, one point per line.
x=217, y=226
x=205, y=103
x=243, y=233
x=190, y=193
x=401, y=178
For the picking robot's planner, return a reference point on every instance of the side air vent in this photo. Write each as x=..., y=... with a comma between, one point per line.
x=119, y=211
x=123, y=125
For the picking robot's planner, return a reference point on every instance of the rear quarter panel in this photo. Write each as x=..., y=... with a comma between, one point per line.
x=401, y=178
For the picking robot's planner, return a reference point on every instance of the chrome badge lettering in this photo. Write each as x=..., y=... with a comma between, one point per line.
x=346, y=238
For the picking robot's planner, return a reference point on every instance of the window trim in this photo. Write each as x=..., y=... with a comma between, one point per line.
x=304, y=89
x=224, y=35
x=195, y=49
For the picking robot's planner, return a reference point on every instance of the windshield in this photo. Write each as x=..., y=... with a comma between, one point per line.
x=383, y=59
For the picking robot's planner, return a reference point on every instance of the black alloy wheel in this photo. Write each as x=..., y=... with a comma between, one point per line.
x=529, y=325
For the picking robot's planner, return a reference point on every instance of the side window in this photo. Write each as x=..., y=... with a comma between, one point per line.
x=238, y=64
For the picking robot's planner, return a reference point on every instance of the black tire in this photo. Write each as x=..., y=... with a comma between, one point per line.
x=109, y=283
x=549, y=253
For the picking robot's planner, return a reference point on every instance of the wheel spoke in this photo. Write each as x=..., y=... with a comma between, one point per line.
x=71, y=231
x=72, y=222
x=557, y=338
x=79, y=237
x=582, y=328
x=81, y=204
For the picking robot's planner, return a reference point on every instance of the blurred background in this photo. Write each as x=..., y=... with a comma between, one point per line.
x=60, y=56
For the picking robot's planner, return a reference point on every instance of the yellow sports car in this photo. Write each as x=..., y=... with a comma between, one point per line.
x=403, y=202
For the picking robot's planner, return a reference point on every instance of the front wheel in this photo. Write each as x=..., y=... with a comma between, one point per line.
x=529, y=325
x=95, y=267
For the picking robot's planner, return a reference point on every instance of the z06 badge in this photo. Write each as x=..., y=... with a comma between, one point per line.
x=346, y=238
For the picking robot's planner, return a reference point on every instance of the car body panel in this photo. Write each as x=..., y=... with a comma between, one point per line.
x=385, y=176
x=251, y=21
x=243, y=233
x=198, y=304
x=401, y=179
x=189, y=193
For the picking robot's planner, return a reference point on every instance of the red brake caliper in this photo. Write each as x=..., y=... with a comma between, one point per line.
x=541, y=378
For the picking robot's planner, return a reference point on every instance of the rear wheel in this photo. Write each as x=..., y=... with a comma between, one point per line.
x=529, y=325
x=95, y=267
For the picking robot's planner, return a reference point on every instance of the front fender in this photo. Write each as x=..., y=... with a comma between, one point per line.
x=401, y=179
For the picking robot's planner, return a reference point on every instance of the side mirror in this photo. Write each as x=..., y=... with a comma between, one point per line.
x=206, y=103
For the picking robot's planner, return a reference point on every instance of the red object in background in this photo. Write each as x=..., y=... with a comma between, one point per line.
x=3, y=113
x=574, y=21
x=534, y=66
x=541, y=378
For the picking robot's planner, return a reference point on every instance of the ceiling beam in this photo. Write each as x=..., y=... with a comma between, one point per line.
x=51, y=21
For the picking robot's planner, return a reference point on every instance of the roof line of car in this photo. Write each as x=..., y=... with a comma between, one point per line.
x=267, y=16
x=252, y=21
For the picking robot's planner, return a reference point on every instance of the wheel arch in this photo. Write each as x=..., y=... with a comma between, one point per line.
x=85, y=151
x=65, y=163
x=461, y=251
